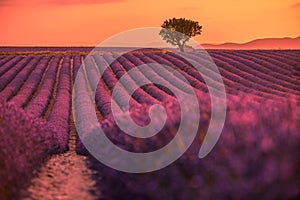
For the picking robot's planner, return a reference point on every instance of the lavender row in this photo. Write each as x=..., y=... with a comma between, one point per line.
x=157, y=91
x=294, y=54
x=8, y=65
x=92, y=68
x=163, y=58
x=142, y=96
x=231, y=80
x=255, y=158
x=202, y=59
x=166, y=78
x=290, y=59
x=83, y=107
x=183, y=66
x=31, y=85
x=172, y=76
x=103, y=101
x=177, y=68
x=102, y=96
x=12, y=88
x=111, y=80
x=210, y=74
x=264, y=59
x=13, y=71
x=60, y=111
x=76, y=65
x=4, y=60
x=245, y=79
x=271, y=57
x=259, y=80
x=25, y=145
x=274, y=62
x=272, y=73
x=38, y=104
x=285, y=82
x=87, y=82
x=236, y=85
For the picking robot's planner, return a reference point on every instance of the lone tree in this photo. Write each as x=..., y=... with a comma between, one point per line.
x=178, y=31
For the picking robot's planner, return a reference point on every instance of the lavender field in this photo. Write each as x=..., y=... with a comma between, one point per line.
x=256, y=157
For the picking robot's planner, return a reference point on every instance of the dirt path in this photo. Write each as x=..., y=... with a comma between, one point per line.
x=64, y=177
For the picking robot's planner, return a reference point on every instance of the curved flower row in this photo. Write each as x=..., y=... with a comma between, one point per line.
x=140, y=95
x=13, y=87
x=242, y=81
x=157, y=91
x=76, y=65
x=280, y=60
x=276, y=62
x=103, y=95
x=31, y=85
x=13, y=71
x=8, y=65
x=246, y=151
x=5, y=59
x=255, y=158
x=83, y=107
x=38, y=105
x=60, y=111
x=178, y=65
x=257, y=84
x=26, y=144
x=207, y=73
x=263, y=77
x=111, y=80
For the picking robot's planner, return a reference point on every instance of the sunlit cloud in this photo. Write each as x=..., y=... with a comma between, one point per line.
x=55, y=2
x=187, y=8
x=73, y=2
x=5, y=3
x=297, y=5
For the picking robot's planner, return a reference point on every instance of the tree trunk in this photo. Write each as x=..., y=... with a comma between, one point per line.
x=181, y=47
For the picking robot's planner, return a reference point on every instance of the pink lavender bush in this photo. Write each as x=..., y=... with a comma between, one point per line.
x=257, y=157
x=257, y=154
x=26, y=143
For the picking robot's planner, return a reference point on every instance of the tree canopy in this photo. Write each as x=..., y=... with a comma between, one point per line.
x=178, y=31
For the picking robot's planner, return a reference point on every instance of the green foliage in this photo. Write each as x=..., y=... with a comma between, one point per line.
x=178, y=31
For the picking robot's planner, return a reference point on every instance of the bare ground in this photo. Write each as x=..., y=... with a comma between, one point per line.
x=64, y=176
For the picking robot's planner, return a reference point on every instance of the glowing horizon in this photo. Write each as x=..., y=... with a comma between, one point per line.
x=87, y=23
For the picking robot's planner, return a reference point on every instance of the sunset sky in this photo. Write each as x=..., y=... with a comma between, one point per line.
x=88, y=22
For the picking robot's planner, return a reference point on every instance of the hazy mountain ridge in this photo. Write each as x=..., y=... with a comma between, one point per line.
x=263, y=43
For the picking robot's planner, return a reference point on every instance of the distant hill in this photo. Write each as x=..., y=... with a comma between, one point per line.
x=265, y=43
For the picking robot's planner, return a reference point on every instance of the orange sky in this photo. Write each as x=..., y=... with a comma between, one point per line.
x=88, y=22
